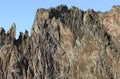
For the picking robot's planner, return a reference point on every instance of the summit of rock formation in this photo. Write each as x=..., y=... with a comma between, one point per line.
x=64, y=44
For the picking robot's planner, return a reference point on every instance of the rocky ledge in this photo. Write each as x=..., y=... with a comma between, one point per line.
x=64, y=44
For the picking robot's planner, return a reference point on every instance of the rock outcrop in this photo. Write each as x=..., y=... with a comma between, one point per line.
x=64, y=44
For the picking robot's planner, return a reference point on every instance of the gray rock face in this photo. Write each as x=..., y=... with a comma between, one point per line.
x=64, y=44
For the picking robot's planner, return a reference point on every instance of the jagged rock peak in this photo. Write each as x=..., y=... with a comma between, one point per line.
x=64, y=44
x=116, y=7
x=2, y=31
x=12, y=31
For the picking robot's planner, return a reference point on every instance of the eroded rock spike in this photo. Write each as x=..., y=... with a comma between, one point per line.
x=12, y=31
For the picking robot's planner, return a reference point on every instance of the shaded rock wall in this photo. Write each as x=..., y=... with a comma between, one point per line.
x=64, y=44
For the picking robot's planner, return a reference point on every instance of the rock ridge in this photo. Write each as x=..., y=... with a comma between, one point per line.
x=64, y=44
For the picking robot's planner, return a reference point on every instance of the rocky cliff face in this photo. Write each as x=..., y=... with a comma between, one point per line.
x=64, y=44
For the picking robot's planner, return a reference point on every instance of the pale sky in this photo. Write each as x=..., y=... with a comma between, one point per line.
x=22, y=12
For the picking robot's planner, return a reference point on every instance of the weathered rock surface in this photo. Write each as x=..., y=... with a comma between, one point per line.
x=64, y=44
